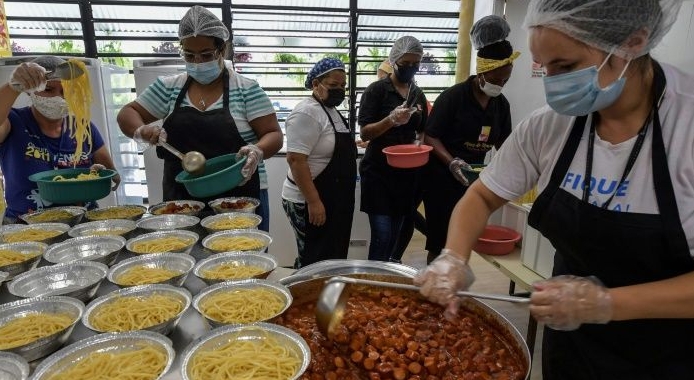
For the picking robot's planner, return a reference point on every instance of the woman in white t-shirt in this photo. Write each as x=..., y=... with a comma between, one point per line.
x=620, y=304
x=318, y=194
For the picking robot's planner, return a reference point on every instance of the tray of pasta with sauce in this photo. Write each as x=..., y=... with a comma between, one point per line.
x=65, y=186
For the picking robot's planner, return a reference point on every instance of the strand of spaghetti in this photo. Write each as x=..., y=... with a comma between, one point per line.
x=165, y=244
x=32, y=327
x=141, y=275
x=114, y=213
x=8, y=256
x=232, y=270
x=143, y=363
x=128, y=313
x=80, y=177
x=242, y=306
x=29, y=234
x=237, y=222
x=78, y=96
x=264, y=358
x=236, y=243
x=51, y=215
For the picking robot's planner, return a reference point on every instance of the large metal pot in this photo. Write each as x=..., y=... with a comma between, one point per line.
x=306, y=288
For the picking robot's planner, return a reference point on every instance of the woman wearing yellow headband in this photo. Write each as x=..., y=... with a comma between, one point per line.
x=467, y=121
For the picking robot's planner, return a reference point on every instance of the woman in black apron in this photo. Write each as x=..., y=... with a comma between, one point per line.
x=620, y=304
x=201, y=124
x=322, y=222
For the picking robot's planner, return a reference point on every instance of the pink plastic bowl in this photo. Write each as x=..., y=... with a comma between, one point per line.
x=407, y=156
x=497, y=240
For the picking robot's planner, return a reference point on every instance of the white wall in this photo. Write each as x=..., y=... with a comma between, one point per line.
x=677, y=47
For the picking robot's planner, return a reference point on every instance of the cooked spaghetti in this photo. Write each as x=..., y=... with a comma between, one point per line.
x=235, y=243
x=144, y=363
x=30, y=234
x=115, y=213
x=232, y=271
x=80, y=177
x=51, y=215
x=141, y=275
x=265, y=358
x=78, y=96
x=233, y=223
x=30, y=328
x=8, y=256
x=165, y=244
x=128, y=313
x=242, y=305
x=115, y=231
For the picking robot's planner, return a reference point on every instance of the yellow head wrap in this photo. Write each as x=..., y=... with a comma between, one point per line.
x=385, y=66
x=487, y=64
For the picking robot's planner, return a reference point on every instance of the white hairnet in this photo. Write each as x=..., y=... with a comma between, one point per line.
x=404, y=45
x=606, y=24
x=199, y=21
x=489, y=30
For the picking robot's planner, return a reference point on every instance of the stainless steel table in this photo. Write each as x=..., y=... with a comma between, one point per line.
x=191, y=326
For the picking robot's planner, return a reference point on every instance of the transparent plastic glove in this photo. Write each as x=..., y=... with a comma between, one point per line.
x=566, y=302
x=418, y=139
x=456, y=167
x=254, y=156
x=149, y=134
x=28, y=77
x=447, y=274
x=400, y=115
x=115, y=179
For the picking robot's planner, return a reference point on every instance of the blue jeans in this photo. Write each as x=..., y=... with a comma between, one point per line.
x=264, y=211
x=390, y=236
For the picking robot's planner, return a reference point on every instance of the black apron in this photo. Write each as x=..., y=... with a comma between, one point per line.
x=620, y=249
x=335, y=185
x=212, y=133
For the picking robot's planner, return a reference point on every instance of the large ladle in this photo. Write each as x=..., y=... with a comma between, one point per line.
x=64, y=71
x=193, y=162
x=330, y=308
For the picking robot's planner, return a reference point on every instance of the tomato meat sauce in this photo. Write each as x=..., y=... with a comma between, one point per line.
x=391, y=334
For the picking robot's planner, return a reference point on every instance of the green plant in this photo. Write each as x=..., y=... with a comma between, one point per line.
x=115, y=47
x=377, y=54
x=340, y=43
x=288, y=58
x=64, y=46
x=451, y=58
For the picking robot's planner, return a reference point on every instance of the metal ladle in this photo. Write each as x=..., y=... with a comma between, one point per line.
x=193, y=162
x=64, y=71
x=330, y=308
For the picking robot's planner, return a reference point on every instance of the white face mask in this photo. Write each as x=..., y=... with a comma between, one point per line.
x=53, y=107
x=492, y=90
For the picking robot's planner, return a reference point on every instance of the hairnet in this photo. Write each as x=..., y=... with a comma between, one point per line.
x=404, y=45
x=606, y=24
x=48, y=62
x=488, y=30
x=322, y=67
x=199, y=21
x=385, y=66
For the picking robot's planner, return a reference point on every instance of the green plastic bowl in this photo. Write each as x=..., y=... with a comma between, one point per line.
x=472, y=175
x=68, y=192
x=221, y=174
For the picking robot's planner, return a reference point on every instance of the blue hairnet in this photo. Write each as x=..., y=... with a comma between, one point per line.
x=321, y=67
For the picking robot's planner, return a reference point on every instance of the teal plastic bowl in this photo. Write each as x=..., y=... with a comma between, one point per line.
x=69, y=192
x=472, y=175
x=221, y=174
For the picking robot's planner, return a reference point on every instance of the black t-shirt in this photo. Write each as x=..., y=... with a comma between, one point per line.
x=379, y=99
x=465, y=129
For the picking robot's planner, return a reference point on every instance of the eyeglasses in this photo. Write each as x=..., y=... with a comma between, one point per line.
x=204, y=56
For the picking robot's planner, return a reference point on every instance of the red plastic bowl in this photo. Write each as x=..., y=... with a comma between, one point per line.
x=497, y=240
x=407, y=156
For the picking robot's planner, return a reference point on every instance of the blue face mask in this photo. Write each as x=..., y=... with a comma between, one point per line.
x=405, y=74
x=204, y=73
x=578, y=93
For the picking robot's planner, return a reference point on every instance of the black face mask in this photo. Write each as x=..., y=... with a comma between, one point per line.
x=335, y=97
x=405, y=73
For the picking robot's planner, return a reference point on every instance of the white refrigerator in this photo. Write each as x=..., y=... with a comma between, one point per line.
x=106, y=81
x=283, y=246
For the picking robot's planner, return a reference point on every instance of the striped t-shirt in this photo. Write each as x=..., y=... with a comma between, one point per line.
x=247, y=101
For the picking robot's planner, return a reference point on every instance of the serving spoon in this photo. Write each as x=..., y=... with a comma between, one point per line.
x=193, y=162
x=330, y=308
x=64, y=71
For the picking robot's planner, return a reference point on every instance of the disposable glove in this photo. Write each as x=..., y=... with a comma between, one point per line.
x=116, y=178
x=566, y=302
x=149, y=134
x=254, y=156
x=446, y=275
x=28, y=77
x=456, y=167
x=400, y=115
